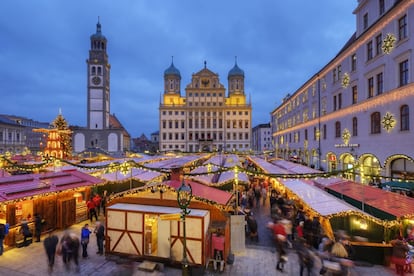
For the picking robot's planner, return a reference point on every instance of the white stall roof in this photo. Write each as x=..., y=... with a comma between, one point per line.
x=268, y=167
x=319, y=200
x=155, y=209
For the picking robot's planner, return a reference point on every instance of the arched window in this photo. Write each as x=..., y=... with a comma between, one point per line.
x=405, y=117
x=337, y=129
x=375, y=123
x=99, y=70
x=93, y=70
x=354, y=126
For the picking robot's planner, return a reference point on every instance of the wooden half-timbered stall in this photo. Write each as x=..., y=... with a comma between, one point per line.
x=147, y=225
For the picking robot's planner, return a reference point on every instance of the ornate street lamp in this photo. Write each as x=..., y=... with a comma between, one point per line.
x=184, y=195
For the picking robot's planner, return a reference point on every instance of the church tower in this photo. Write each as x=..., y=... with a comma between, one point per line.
x=104, y=133
x=98, y=68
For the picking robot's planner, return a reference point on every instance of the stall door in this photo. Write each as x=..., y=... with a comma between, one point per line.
x=66, y=213
x=164, y=240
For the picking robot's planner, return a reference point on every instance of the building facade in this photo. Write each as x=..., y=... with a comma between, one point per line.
x=103, y=131
x=356, y=111
x=204, y=118
x=262, y=138
x=32, y=140
x=12, y=136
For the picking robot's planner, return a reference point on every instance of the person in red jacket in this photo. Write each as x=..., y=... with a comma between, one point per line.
x=97, y=200
x=299, y=229
x=280, y=237
x=91, y=209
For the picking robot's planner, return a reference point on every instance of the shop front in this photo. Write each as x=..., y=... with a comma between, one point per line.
x=58, y=198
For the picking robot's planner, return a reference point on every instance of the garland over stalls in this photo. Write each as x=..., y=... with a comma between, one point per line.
x=126, y=166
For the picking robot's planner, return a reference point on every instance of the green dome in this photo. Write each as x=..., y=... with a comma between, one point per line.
x=236, y=71
x=172, y=71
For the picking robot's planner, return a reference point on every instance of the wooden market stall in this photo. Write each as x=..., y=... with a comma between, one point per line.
x=58, y=197
x=147, y=225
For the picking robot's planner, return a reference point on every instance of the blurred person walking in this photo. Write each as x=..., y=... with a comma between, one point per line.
x=50, y=244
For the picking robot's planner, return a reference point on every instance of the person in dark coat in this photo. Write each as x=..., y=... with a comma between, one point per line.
x=50, y=244
x=38, y=226
x=304, y=256
x=2, y=236
x=100, y=236
x=24, y=229
x=70, y=250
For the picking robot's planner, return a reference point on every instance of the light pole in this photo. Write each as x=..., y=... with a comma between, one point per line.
x=184, y=195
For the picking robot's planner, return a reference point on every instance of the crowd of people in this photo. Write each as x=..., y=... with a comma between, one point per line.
x=68, y=247
x=295, y=229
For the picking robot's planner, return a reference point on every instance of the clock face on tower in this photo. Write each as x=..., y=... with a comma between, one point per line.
x=96, y=80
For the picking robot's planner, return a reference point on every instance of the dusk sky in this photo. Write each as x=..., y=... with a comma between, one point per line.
x=44, y=45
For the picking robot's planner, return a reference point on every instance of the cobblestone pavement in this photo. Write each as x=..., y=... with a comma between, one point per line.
x=254, y=260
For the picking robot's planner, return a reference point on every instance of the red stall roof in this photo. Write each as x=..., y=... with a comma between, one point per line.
x=22, y=186
x=203, y=191
x=392, y=203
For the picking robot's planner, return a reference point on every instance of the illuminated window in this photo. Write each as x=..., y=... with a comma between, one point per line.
x=353, y=62
x=354, y=94
x=375, y=123
x=370, y=87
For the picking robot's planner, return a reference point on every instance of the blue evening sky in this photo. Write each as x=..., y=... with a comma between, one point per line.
x=44, y=45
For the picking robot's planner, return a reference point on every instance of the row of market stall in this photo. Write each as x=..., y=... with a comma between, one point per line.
x=143, y=219
x=372, y=216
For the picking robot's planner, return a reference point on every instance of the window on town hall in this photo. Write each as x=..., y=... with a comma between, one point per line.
x=306, y=134
x=334, y=102
x=375, y=123
x=404, y=73
x=402, y=27
x=324, y=132
x=354, y=126
x=337, y=129
x=380, y=83
x=405, y=117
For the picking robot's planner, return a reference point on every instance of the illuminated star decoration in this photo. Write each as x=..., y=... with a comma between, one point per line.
x=388, y=43
x=388, y=122
x=345, y=80
x=346, y=135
